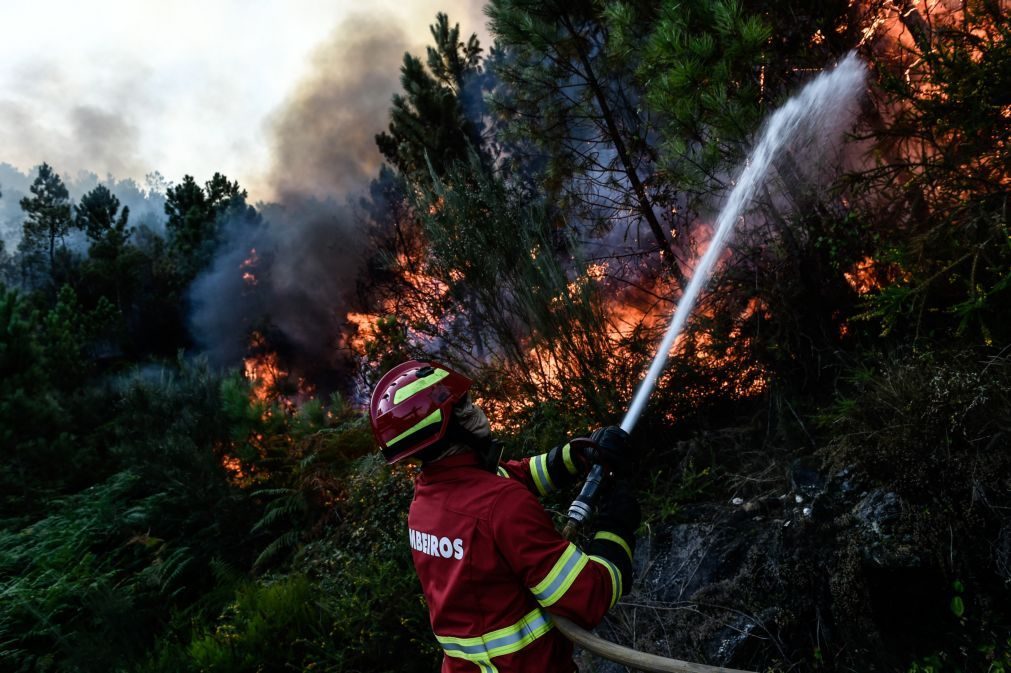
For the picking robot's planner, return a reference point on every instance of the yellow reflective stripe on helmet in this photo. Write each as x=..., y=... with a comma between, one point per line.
x=434, y=417
x=418, y=385
x=481, y=649
x=502, y=472
x=612, y=570
x=565, y=571
x=539, y=471
x=617, y=539
x=567, y=459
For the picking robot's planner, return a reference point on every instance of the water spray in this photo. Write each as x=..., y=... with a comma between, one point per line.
x=808, y=113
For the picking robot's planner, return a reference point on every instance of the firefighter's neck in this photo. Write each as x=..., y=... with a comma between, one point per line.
x=488, y=457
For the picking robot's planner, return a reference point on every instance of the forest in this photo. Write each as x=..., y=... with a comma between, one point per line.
x=189, y=481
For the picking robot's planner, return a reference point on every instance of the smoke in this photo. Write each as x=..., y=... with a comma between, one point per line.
x=311, y=243
x=96, y=132
x=324, y=137
x=146, y=203
x=289, y=277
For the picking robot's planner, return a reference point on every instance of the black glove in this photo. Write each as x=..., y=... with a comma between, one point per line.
x=617, y=518
x=613, y=448
x=618, y=511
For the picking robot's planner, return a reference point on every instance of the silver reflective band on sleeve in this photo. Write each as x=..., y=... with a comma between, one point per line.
x=480, y=650
x=565, y=571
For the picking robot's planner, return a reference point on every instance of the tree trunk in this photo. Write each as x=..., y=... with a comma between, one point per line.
x=645, y=207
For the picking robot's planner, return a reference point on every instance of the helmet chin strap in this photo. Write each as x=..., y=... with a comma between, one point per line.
x=491, y=455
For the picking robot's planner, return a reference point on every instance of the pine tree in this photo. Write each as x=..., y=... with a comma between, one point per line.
x=99, y=216
x=574, y=100
x=430, y=124
x=196, y=216
x=48, y=213
x=701, y=67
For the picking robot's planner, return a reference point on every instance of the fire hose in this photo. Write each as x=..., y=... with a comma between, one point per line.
x=808, y=112
x=582, y=506
x=580, y=510
x=626, y=656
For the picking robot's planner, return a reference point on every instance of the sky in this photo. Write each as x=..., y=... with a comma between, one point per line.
x=128, y=87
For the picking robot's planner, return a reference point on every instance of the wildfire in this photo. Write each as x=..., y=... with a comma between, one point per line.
x=869, y=275
x=248, y=266
x=408, y=308
x=234, y=467
x=263, y=371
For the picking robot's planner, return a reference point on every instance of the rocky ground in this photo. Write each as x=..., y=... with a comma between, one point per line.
x=835, y=572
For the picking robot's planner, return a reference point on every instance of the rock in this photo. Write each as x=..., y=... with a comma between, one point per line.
x=805, y=476
x=705, y=574
x=884, y=541
x=846, y=481
x=878, y=512
x=726, y=642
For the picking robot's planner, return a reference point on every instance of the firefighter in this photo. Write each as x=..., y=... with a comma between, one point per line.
x=491, y=564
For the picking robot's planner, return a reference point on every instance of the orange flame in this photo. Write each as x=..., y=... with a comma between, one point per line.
x=248, y=266
x=264, y=372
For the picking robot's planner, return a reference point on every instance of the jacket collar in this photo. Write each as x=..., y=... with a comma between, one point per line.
x=448, y=468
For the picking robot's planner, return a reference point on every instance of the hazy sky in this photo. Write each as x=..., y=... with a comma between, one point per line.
x=183, y=86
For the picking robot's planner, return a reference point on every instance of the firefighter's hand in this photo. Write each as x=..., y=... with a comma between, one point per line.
x=619, y=512
x=612, y=448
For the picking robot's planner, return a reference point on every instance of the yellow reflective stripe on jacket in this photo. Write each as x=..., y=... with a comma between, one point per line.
x=565, y=571
x=482, y=649
x=567, y=459
x=539, y=471
x=615, y=574
x=617, y=539
x=502, y=472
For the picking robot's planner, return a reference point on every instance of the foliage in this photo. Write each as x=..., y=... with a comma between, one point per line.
x=48, y=219
x=523, y=303
x=367, y=580
x=90, y=579
x=158, y=515
x=933, y=428
x=438, y=120
x=262, y=615
x=941, y=176
x=697, y=63
x=567, y=100
x=197, y=216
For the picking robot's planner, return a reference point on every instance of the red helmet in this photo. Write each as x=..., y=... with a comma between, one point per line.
x=412, y=406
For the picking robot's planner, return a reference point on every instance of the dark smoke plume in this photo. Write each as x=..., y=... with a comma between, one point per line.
x=311, y=243
x=287, y=277
x=324, y=137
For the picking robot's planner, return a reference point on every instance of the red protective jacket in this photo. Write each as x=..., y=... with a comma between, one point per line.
x=492, y=566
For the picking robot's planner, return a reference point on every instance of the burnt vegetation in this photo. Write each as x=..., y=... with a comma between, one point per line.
x=188, y=481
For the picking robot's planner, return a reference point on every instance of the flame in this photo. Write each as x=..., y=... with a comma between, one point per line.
x=869, y=275
x=263, y=372
x=271, y=383
x=408, y=306
x=234, y=468
x=863, y=276
x=248, y=266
